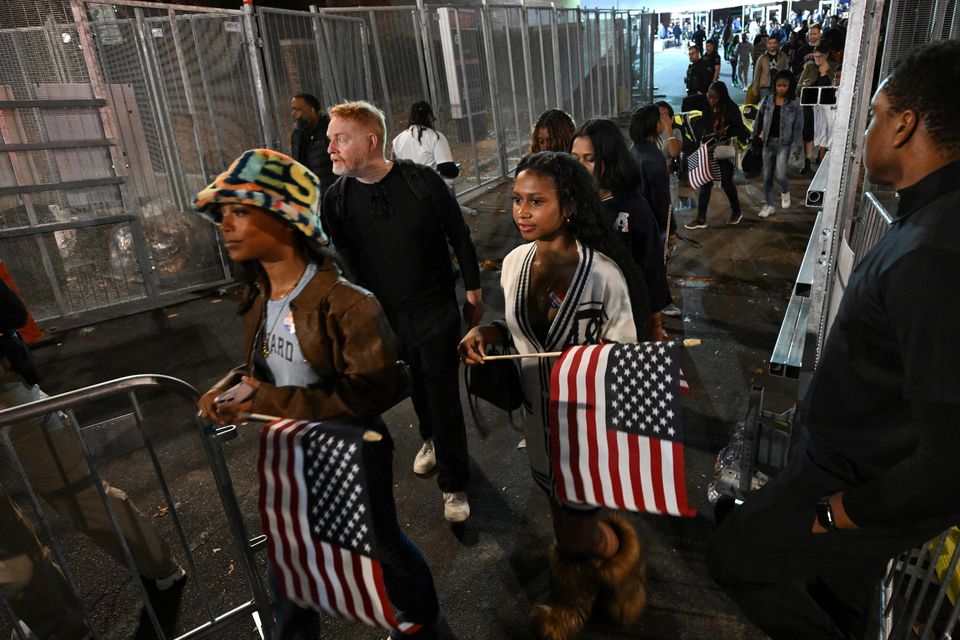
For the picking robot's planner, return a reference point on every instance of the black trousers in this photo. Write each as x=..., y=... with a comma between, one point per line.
x=428, y=337
x=793, y=583
x=726, y=181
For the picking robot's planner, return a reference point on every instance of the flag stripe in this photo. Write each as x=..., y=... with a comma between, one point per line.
x=354, y=570
x=647, y=476
x=624, y=471
x=656, y=473
x=590, y=407
x=612, y=463
x=636, y=478
x=571, y=421
x=558, y=439
x=679, y=482
x=298, y=507
x=669, y=494
x=603, y=478
x=280, y=499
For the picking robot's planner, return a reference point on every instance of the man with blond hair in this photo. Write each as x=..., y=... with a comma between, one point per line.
x=392, y=221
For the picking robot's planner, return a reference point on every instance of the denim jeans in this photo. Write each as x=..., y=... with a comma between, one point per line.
x=406, y=575
x=775, y=159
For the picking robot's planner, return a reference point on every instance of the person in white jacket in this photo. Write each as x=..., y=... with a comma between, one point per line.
x=423, y=144
x=571, y=283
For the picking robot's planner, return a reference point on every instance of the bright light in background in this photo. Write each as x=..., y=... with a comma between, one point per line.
x=66, y=37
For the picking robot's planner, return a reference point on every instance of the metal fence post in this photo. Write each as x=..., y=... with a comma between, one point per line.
x=494, y=85
x=328, y=79
x=598, y=68
x=383, y=73
x=513, y=82
x=525, y=44
x=557, y=70
x=259, y=76
x=427, y=43
x=580, y=74
x=367, y=72
x=187, y=89
x=466, y=96
x=543, y=59
x=150, y=66
x=206, y=91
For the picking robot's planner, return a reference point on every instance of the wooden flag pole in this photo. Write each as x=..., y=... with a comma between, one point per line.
x=687, y=343
x=368, y=436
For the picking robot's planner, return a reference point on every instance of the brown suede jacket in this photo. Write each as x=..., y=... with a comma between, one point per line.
x=345, y=337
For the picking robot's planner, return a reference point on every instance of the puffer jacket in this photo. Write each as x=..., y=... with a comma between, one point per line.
x=791, y=121
x=344, y=335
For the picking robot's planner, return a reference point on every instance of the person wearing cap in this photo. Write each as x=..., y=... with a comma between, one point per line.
x=317, y=347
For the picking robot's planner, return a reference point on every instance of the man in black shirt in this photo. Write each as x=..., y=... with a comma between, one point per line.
x=712, y=60
x=699, y=74
x=392, y=222
x=878, y=471
x=698, y=37
x=308, y=142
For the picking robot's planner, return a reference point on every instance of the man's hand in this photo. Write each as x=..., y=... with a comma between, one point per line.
x=473, y=308
x=840, y=518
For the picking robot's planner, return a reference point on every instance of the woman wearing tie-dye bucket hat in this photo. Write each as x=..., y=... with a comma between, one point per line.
x=317, y=348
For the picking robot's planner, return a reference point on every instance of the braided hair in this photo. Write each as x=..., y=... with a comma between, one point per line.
x=421, y=117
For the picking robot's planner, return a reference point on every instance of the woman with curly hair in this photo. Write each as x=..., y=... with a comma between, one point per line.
x=571, y=283
x=552, y=131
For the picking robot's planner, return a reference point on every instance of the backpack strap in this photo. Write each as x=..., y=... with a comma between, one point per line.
x=414, y=177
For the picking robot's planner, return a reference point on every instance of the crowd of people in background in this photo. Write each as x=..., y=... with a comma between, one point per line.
x=772, y=64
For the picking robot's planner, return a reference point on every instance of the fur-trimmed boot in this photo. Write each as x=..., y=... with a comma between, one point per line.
x=573, y=587
x=623, y=577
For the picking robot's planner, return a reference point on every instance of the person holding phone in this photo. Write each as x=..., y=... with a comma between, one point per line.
x=317, y=347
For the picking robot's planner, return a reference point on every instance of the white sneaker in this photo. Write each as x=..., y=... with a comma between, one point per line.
x=455, y=506
x=167, y=583
x=671, y=310
x=765, y=210
x=785, y=200
x=426, y=459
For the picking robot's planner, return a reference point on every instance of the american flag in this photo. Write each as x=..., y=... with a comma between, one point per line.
x=315, y=512
x=615, y=427
x=698, y=167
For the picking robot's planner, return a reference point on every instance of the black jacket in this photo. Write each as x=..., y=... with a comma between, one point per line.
x=310, y=149
x=699, y=76
x=733, y=120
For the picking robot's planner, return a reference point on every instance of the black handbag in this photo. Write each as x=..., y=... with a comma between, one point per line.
x=497, y=382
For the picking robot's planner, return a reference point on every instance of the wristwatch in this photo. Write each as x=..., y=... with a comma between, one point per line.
x=825, y=515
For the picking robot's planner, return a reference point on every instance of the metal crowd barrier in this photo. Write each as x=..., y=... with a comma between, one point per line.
x=919, y=589
x=211, y=437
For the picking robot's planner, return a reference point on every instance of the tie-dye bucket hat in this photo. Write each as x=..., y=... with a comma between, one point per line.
x=271, y=180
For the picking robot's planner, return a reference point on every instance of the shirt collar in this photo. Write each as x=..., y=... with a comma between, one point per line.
x=929, y=188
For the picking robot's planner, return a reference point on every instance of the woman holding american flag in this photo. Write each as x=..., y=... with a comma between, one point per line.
x=571, y=283
x=318, y=348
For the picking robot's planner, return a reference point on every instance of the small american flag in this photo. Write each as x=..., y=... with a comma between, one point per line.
x=698, y=167
x=615, y=427
x=315, y=513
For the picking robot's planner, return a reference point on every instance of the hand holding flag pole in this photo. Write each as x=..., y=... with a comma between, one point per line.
x=368, y=436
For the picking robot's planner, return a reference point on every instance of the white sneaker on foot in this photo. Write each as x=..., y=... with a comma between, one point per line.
x=426, y=459
x=765, y=210
x=455, y=506
x=785, y=200
x=167, y=583
x=671, y=310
